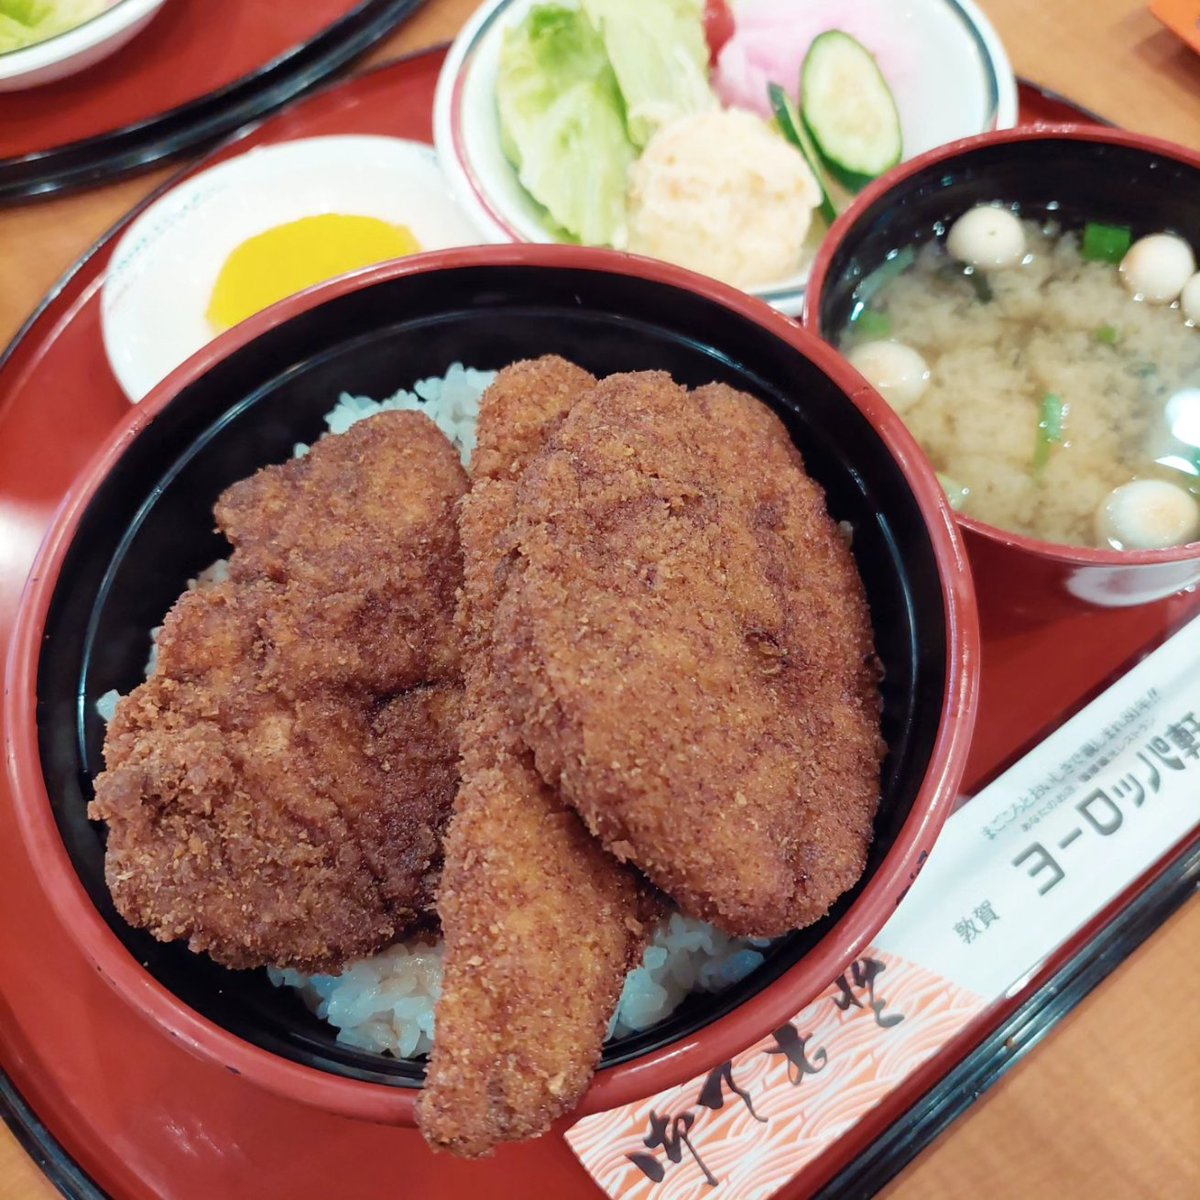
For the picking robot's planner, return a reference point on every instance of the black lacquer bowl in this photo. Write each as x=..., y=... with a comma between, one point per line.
x=1073, y=174
x=139, y=523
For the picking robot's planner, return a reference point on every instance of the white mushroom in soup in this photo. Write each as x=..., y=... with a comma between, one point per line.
x=1189, y=299
x=987, y=237
x=895, y=370
x=1157, y=267
x=1148, y=514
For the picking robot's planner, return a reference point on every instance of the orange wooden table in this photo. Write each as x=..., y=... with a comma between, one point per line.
x=1109, y=1106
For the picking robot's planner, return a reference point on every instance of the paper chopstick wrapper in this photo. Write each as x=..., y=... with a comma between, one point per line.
x=1181, y=17
x=1015, y=873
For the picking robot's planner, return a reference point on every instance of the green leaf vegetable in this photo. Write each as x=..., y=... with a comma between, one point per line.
x=563, y=122
x=1049, y=430
x=24, y=22
x=871, y=324
x=1105, y=243
x=659, y=53
x=1107, y=335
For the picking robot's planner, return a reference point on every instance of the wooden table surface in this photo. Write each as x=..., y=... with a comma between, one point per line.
x=1109, y=1105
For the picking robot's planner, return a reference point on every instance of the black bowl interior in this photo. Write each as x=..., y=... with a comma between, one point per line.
x=149, y=528
x=1069, y=180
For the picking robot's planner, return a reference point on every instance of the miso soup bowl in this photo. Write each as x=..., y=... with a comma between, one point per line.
x=138, y=523
x=1090, y=173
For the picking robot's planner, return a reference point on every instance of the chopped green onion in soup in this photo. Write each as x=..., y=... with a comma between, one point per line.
x=1105, y=243
x=871, y=324
x=1050, y=429
x=1061, y=383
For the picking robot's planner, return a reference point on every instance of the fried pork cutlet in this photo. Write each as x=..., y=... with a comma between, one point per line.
x=277, y=789
x=541, y=925
x=689, y=643
x=362, y=531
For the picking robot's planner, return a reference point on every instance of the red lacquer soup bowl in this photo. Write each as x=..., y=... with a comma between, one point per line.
x=1073, y=174
x=138, y=524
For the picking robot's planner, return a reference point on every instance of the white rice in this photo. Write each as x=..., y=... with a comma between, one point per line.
x=385, y=1003
x=106, y=705
x=451, y=401
x=381, y=1004
x=684, y=956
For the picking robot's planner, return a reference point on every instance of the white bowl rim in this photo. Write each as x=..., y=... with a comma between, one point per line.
x=131, y=378
x=786, y=295
x=61, y=47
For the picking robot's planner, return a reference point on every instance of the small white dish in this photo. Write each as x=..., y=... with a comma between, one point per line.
x=76, y=49
x=159, y=283
x=959, y=84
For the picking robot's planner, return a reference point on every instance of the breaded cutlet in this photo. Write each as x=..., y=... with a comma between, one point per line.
x=541, y=924
x=362, y=531
x=688, y=641
x=276, y=791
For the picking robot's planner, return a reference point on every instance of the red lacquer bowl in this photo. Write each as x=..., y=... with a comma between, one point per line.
x=1090, y=174
x=137, y=524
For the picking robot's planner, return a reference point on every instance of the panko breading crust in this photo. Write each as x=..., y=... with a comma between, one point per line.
x=641, y=630
x=276, y=791
x=541, y=925
x=688, y=642
x=362, y=530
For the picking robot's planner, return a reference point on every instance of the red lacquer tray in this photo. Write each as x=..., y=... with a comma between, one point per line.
x=138, y=1113
x=199, y=70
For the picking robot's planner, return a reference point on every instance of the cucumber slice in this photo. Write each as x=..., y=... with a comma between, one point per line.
x=849, y=109
x=792, y=128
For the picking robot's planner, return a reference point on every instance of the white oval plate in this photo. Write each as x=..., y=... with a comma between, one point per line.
x=160, y=280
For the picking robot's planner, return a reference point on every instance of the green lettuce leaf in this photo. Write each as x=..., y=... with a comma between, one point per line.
x=23, y=22
x=562, y=123
x=660, y=55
